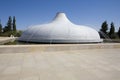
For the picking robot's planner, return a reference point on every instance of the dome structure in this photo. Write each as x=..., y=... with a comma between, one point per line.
x=60, y=30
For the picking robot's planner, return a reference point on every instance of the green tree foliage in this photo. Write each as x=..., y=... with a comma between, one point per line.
x=112, y=31
x=103, y=31
x=118, y=32
x=5, y=29
x=19, y=33
x=14, y=24
x=9, y=24
x=0, y=28
x=104, y=27
x=8, y=27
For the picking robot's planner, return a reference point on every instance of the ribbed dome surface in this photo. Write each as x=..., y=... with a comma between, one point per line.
x=60, y=30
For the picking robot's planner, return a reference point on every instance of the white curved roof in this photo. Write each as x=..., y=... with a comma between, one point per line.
x=60, y=30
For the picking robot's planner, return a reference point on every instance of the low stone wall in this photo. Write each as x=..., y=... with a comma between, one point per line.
x=54, y=47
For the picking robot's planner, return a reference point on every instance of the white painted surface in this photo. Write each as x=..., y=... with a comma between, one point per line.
x=60, y=30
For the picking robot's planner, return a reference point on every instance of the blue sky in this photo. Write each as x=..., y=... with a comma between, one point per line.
x=82, y=12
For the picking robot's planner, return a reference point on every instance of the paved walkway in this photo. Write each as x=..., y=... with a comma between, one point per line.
x=94, y=64
x=6, y=39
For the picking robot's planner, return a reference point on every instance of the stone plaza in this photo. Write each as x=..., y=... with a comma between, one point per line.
x=77, y=64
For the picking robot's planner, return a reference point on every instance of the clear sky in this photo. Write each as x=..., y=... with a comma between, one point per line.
x=82, y=12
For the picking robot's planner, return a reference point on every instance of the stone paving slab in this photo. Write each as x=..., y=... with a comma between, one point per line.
x=93, y=64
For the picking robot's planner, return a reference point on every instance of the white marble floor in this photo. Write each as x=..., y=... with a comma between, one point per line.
x=94, y=64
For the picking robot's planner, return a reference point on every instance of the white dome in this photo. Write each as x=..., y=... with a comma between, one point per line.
x=60, y=30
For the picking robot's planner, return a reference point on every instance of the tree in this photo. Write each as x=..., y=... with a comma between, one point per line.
x=9, y=24
x=14, y=24
x=0, y=27
x=5, y=29
x=104, y=27
x=118, y=32
x=112, y=31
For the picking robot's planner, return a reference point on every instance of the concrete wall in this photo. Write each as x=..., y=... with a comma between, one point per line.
x=54, y=47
